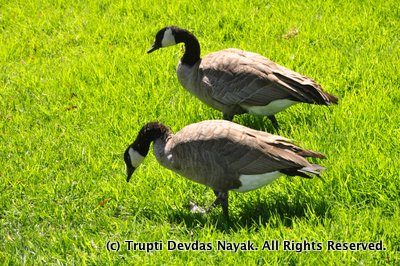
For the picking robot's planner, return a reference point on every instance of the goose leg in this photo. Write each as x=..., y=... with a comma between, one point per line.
x=222, y=198
x=274, y=121
x=194, y=208
x=216, y=201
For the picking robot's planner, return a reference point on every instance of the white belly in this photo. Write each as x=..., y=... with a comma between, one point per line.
x=251, y=182
x=270, y=109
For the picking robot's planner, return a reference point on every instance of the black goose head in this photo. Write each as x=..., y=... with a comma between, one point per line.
x=172, y=35
x=137, y=151
x=165, y=37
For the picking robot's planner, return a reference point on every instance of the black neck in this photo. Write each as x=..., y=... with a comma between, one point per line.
x=149, y=132
x=192, y=46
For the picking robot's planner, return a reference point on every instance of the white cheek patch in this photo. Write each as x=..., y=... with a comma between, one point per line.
x=168, y=38
x=270, y=109
x=136, y=158
x=251, y=182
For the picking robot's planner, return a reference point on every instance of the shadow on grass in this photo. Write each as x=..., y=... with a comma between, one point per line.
x=281, y=211
x=257, y=122
x=277, y=210
x=262, y=123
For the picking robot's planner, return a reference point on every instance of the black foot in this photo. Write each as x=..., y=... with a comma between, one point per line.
x=274, y=121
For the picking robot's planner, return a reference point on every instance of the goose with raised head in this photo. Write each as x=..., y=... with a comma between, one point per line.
x=234, y=81
x=222, y=155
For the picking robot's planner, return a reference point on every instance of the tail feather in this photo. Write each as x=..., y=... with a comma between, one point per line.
x=313, y=154
x=332, y=99
x=305, y=89
x=314, y=169
x=286, y=144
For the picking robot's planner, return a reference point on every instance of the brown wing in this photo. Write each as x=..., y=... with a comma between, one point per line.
x=230, y=149
x=234, y=76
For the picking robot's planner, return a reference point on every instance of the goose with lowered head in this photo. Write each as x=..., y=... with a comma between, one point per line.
x=222, y=155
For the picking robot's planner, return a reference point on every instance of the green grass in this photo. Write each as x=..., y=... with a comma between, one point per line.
x=76, y=85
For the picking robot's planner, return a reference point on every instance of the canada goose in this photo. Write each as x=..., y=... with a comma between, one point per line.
x=234, y=81
x=222, y=155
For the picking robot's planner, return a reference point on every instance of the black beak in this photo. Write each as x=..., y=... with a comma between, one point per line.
x=153, y=48
x=129, y=172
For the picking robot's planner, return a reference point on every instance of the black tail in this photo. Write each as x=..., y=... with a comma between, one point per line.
x=331, y=99
x=314, y=169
